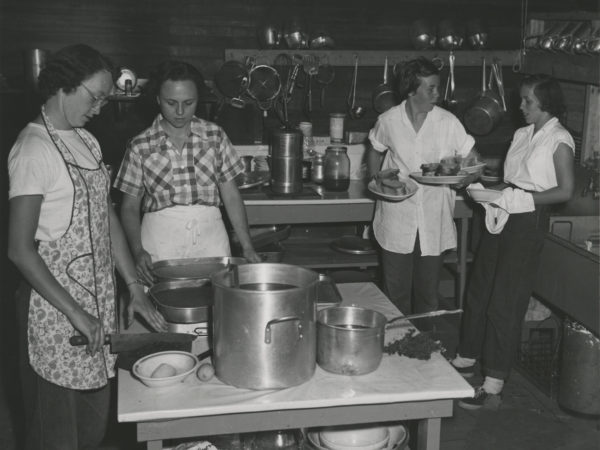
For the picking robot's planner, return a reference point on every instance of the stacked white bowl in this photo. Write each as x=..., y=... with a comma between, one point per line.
x=355, y=438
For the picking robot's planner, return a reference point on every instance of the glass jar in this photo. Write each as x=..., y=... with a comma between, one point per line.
x=318, y=169
x=336, y=176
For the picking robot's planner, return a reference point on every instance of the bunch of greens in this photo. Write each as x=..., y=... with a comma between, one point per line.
x=412, y=345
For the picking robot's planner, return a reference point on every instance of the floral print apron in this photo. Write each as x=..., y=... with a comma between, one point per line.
x=81, y=260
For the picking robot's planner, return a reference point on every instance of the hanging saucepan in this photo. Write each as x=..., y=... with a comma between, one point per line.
x=485, y=112
x=383, y=96
x=325, y=76
x=232, y=80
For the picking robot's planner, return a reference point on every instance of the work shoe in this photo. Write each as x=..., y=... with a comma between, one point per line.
x=482, y=399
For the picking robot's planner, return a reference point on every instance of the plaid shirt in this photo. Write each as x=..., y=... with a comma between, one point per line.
x=153, y=167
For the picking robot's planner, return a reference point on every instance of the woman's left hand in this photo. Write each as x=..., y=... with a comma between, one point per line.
x=141, y=304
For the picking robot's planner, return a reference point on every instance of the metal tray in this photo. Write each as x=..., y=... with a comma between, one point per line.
x=354, y=245
x=327, y=291
x=193, y=268
x=246, y=180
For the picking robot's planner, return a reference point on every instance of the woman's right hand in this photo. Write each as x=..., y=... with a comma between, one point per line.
x=90, y=327
x=144, y=267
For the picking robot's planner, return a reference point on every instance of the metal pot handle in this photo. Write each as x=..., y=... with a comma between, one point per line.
x=279, y=320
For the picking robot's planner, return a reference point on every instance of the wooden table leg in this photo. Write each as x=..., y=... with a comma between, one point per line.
x=428, y=434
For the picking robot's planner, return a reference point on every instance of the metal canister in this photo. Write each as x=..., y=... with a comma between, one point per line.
x=285, y=153
x=318, y=169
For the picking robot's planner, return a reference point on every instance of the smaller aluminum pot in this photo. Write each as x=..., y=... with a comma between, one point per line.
x=350, y=339
x=184, y=301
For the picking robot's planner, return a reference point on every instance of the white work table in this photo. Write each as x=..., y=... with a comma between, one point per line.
x=400, y=389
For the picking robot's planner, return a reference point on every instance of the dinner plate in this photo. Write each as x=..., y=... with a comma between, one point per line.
x=247, y=180
x=434, y=179
x=473, y=169
x=410, y=186
x=484, y=195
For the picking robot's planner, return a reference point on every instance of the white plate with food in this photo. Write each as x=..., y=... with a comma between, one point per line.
x=439, y=179
x=484, y=195
x=388, y=185
x=473, y=169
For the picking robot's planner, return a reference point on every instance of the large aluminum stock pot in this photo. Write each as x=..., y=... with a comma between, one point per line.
x=264, y=334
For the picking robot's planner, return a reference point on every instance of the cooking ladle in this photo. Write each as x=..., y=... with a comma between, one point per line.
x=441, y=312
x=355, y=111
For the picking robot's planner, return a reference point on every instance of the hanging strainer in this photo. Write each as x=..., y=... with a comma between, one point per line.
x=264, y=86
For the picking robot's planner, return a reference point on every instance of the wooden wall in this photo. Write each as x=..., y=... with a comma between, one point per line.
x=138, y=34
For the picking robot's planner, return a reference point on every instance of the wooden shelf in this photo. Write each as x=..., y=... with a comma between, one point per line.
x=563, y=66
x=376, y=58
x=316, y=253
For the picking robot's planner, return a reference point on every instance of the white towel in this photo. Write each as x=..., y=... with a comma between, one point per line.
x=513, y=201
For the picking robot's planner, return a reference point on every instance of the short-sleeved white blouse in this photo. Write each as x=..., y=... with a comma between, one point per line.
x=529, y=162
x=430, y=211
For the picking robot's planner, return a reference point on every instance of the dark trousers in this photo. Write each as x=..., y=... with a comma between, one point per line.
x=403, y=272
x=57, y=418
x=500, y=286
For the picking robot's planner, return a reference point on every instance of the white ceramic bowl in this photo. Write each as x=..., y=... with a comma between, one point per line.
x=484, y=195
x=398, y=436
x=184, y=364
x=355, y=437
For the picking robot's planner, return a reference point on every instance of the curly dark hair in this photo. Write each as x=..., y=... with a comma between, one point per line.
x=548, y=92
x=410, y=74
x=69, y=67
x=174, y=70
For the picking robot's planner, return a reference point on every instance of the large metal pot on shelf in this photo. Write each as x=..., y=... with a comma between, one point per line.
x=264, y=332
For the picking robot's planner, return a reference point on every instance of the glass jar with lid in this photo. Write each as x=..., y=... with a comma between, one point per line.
x=336, y=176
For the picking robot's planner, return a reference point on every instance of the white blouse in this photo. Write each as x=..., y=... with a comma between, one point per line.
x=430, y=210
x=529, y=162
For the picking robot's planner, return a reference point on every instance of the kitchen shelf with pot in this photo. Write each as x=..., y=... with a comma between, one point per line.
x=465, y=58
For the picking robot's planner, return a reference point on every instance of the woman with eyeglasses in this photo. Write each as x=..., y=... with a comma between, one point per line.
x=66, y=240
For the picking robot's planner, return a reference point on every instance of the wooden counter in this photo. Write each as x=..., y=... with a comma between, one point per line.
x=400, y=389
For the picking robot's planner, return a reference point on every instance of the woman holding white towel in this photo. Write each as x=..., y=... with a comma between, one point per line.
x=539, y=168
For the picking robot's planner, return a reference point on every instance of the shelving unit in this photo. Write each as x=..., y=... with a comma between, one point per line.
x=345, y=58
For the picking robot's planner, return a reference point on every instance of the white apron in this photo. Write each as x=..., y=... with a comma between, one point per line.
x=178, y=232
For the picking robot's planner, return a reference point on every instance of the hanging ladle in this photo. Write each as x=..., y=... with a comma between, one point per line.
x=355, y=111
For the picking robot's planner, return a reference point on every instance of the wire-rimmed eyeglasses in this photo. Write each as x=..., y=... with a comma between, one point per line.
x=98, y=102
